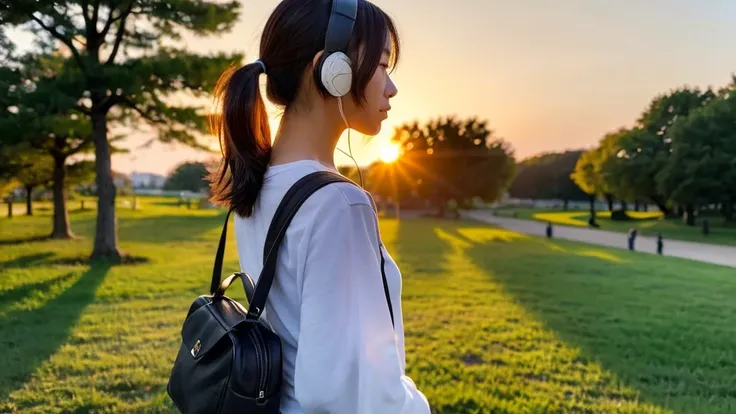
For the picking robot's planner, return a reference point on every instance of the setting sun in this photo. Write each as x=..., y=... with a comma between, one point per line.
x=390, y=153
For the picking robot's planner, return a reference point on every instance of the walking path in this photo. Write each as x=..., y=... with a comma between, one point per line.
x=712, y=253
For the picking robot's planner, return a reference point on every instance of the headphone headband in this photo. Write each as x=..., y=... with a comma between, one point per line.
x=340, y=25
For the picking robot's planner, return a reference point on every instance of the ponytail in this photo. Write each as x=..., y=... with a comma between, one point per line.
x=245, y=139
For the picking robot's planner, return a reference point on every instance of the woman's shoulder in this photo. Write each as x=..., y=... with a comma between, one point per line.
x=336, y=202
x=333, y=197
x=341, y=201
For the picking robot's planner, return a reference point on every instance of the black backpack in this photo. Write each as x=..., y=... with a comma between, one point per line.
x=229, y=360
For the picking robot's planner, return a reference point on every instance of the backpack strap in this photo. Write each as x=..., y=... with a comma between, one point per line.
x=217, y=268
x=278, y=221
x=385, y=285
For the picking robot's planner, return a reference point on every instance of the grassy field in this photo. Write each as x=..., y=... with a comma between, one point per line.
x=496, y=322
x=647, y=224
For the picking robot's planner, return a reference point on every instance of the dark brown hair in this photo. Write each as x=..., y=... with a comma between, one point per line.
x=293, y=35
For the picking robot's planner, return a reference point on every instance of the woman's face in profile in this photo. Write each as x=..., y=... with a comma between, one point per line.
x=368, y=119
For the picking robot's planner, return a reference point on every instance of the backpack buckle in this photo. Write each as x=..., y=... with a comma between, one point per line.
x=195, y=349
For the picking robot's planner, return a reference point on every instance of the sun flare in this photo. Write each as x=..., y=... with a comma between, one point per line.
x=390, y=153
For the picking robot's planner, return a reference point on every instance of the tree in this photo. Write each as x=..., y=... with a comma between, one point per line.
x=652, y=141
x=449, y=158
x=36, y=173
x=127, y=68
x=190, y=176
x=702, y=167
x=6, y=185
x=637, y=162
x=612, y=168
x=587, y=179
x=547, y=176
x=43, y=98
x=9, y=169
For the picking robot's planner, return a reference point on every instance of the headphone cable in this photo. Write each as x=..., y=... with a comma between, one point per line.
x=350, y=148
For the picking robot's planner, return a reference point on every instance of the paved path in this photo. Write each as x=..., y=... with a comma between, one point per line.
x=725, y=255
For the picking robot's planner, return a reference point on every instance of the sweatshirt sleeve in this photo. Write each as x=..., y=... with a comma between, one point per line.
x=347, y=359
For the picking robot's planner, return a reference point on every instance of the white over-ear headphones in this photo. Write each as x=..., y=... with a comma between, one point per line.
x=334, y=68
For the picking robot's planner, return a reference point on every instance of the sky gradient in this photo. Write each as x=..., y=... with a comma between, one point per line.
x=547, y=76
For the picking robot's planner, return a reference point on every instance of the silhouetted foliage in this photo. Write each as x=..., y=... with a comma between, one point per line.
x=191, y=176
x=547, y=176
x=446, y=159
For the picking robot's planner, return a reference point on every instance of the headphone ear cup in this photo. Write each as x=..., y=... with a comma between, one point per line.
x=336, y=74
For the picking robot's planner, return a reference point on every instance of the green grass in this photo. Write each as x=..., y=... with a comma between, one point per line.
x=495, y=321
x=647, y=223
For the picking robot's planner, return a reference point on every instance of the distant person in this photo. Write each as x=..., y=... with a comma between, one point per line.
x=327, y=303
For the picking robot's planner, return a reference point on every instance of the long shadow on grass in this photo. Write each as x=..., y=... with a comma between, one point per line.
x=663, y=327
x=418, y=250
x=27, y=260
x=22, y=240
x=10, y=297
x=30, y=337
x=169, y=228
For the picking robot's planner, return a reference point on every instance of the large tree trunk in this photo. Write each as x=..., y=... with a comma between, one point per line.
x=661, y=204
x=637, y=205
x=609, y=199
x=624, y=206
x=690, y=215
x=592, y=220
x=106, y=236
x=29, y=200
x=728, y=210
x=10, y=208
x=62, y=228
x=566, y=205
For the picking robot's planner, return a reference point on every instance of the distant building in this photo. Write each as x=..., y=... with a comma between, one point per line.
x=143, y=180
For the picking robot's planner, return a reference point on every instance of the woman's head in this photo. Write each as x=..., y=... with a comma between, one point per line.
x=291, y=44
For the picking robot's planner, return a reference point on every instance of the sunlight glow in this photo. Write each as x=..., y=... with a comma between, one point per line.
x=390, y=153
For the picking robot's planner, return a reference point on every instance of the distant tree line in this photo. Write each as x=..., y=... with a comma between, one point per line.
x=680, y=155
x=547, y=176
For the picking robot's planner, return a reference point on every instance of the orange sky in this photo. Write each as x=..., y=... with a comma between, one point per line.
x=547, y=75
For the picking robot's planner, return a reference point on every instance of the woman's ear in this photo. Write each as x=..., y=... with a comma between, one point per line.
x=316, y=58
x=317, y=61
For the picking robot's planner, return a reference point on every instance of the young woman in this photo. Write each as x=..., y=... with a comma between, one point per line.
x=327, y=302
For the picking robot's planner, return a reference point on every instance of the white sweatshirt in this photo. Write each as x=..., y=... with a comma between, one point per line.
x=327, y=302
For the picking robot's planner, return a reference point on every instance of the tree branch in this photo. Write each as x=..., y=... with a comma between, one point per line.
x=85, y=7
x=75, y=149
x=96, y=13
x=81, y=42
x=141, y=112
x=121, y=31
x=66, y=41
x=80, y=108
x=110, y=20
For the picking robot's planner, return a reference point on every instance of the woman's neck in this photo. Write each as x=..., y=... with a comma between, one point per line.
x=307, y=135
